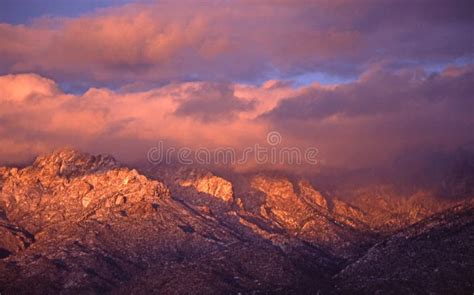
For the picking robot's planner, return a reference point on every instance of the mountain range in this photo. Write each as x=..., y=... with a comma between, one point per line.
x=77, y=223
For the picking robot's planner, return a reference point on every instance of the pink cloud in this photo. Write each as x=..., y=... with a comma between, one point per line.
x=175, y=41
x=365, y=122
x=36, y=115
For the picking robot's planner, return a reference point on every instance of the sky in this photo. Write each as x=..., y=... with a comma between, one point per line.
x=362, y=81
x=24, y=11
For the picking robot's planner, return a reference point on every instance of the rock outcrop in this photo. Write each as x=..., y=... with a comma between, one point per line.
x=67, y=186
x=210, y=184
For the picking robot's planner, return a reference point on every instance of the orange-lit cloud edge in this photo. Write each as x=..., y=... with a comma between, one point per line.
x=388, y=108
x=358, y=123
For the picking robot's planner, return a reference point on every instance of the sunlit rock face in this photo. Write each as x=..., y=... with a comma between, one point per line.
x=281, y=202
x=313, y=196
x=304, y=212
x=68, y=185
x=14, y=239
x=77, y=223
x=209, y=184
x=70, y=163
x=350, y=214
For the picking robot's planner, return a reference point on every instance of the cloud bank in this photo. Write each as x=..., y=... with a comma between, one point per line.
x=174, y=41
x=225, y=73
x=357, y=124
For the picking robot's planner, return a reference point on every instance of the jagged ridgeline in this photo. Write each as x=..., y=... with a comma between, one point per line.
x=75, y=223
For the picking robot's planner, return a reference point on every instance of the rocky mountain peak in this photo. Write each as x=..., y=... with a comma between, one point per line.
x=68, y=163
x=69, y=186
